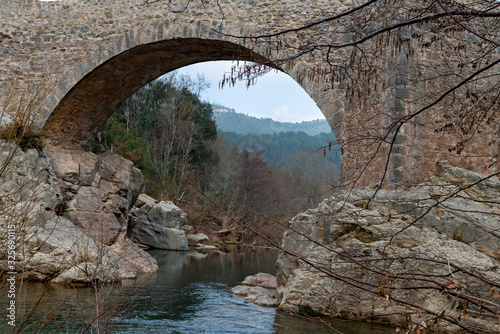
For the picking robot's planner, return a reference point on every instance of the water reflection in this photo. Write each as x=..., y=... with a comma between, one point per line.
x=189, y=294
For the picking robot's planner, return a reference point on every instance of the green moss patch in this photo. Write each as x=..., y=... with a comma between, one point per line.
x=364, y=236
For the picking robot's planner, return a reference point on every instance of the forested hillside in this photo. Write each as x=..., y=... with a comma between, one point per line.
x=230, y=121
x=167, y=132
x=171, y=135
x=277, y=147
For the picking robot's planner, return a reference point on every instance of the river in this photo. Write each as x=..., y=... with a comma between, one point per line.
x=189, y=294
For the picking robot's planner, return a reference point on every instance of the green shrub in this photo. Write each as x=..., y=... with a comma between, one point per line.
x=22, y=135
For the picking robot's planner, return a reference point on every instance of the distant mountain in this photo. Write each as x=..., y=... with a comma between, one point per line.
x=278, y=140
x=278, y=147
x=228, y=120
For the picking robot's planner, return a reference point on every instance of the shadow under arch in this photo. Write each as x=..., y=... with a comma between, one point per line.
x=81, y=113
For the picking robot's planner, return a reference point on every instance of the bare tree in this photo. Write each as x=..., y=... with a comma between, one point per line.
x=410, y=71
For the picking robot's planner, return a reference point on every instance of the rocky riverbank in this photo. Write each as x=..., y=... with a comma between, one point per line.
x=70, y=212
x=424, y=257
x=80, y=216
x=420, y=257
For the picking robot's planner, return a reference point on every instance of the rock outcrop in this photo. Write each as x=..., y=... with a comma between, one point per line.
x=259, y=289
x=69, y=212
x=419, y=257
x=98, y=191
x=159, y=225
x=66, y=254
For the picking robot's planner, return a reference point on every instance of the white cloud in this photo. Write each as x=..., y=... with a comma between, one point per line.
x=275, y=95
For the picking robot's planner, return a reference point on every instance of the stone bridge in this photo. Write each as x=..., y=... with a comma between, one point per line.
x=86, y=57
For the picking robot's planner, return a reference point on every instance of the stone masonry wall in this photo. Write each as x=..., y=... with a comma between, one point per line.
x=88, y=56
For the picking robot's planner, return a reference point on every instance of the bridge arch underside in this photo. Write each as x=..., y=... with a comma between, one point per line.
x=82, y=112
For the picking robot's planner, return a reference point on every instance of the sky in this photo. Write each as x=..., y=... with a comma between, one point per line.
x=275, y=95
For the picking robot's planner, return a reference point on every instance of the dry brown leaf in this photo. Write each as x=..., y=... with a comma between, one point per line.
x=495, y=293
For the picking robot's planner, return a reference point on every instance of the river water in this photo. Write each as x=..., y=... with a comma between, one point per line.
x=189, y=294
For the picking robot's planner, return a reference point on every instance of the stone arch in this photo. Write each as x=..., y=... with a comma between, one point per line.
x=87, y=95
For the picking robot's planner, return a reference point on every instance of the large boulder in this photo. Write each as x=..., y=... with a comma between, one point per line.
x=27, y=177
x=411, y=257
x=470, y=216
x=158, y=225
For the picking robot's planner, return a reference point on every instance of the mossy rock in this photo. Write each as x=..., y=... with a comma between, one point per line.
x=364, y=236
x=362, y=205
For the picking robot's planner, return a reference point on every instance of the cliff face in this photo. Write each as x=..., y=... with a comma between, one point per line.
x=421, y=257
x=69, y=213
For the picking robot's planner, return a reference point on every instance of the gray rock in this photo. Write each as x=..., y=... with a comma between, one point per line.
x=89, y=165
x=257, y=295
x=488, y=189
x=91, y=232
x=117, y=170
x=259, y=289
x=334, y=274
x=136, y=186
x=268, y=301
x=87, y=272
x=241, y=290
x=61, y=250
x=177, y=9
x=107, y=171
x=141, y=261
x=110, y=187
x=468, y=217
x=160, y=237
x=158, y=225
x=66, y=166
x=88, y=199
x=27, y=178
x=143, y=199
x=116, y=204
x=263, y=280
x=197, y=239
x=168, y=214
x=104, y=227
x=5, y=119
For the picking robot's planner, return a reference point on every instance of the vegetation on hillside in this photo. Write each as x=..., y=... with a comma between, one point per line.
x=278, y=147
x=167, y=131
x=172, y=137
x=230, y=121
